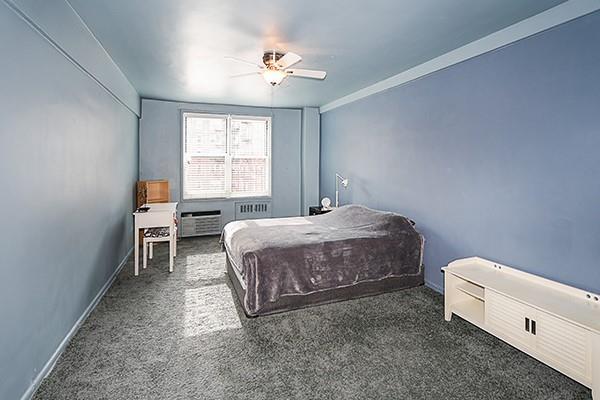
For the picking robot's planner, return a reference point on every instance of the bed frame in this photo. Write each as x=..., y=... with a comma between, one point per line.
x=293, y=302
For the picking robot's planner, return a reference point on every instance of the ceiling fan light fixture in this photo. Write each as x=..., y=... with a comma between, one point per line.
x=277, y=67
x=273, y=76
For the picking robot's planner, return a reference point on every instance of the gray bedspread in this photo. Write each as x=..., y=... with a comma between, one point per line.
x=347, y=246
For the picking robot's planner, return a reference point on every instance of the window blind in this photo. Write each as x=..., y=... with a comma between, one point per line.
x=226, y=156
x=250, y=149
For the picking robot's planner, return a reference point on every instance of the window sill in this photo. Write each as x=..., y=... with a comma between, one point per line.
x=240, y=198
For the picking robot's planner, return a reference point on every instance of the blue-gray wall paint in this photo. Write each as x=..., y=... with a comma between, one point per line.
x=57, y=20
x=68, y=165
x=497, y=156
x=160, y=153
x=311, y=131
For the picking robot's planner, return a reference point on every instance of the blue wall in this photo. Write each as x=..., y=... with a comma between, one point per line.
x=497, y=156
x=57, y=20
x=311, y=132
x=160, y=152
x=68, y=165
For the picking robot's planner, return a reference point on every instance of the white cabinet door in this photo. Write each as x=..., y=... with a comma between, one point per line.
x=509, y=320
x=564, y=346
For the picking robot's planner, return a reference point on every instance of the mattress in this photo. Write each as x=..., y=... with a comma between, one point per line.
x=275, y=258
x=294, y=302
x=233, y=227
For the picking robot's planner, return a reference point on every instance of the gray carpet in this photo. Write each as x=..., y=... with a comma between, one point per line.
x=183, y=336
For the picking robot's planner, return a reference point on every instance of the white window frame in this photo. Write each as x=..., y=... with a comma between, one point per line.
x=228, y=157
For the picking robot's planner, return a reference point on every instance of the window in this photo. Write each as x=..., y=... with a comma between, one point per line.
x=226, y=156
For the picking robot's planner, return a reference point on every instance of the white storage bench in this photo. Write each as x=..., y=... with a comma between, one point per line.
x=555, y=323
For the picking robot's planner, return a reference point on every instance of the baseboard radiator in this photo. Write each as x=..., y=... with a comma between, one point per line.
x=200, y=223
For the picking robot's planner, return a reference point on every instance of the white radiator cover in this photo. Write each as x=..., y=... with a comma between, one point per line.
x=252, y=209
x=203, y=223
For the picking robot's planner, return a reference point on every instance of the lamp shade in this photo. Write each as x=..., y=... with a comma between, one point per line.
x=273, y=76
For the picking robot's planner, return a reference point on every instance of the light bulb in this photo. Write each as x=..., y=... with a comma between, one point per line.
x=273, y=76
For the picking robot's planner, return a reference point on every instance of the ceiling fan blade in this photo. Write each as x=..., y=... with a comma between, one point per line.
x=288, y=60
x=245, y=74
x=306, y=73
x=242, y=61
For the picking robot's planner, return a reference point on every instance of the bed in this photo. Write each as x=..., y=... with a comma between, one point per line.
x=280, y=264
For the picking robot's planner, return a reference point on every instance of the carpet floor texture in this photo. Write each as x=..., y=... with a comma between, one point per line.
x=183, y=336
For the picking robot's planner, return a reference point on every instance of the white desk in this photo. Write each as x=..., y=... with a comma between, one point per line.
x=159, y=215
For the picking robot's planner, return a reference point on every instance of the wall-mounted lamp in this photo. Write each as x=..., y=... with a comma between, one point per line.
x=344, y=182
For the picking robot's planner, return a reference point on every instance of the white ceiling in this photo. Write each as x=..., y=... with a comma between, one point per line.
x=175, y=49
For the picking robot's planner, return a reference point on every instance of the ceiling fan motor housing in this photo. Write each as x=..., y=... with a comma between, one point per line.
x=270, y=57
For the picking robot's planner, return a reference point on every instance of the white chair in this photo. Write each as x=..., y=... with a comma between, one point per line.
x=154, y=235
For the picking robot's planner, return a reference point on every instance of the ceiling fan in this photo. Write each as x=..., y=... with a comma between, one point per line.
x=277, y=67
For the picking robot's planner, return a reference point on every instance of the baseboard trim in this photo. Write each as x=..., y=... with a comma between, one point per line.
x=434, y=286
x=49, y=366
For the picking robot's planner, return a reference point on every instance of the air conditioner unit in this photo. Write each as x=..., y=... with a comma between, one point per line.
x=200, y=223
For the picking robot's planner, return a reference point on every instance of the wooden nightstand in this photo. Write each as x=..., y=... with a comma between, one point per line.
x=317, y=210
